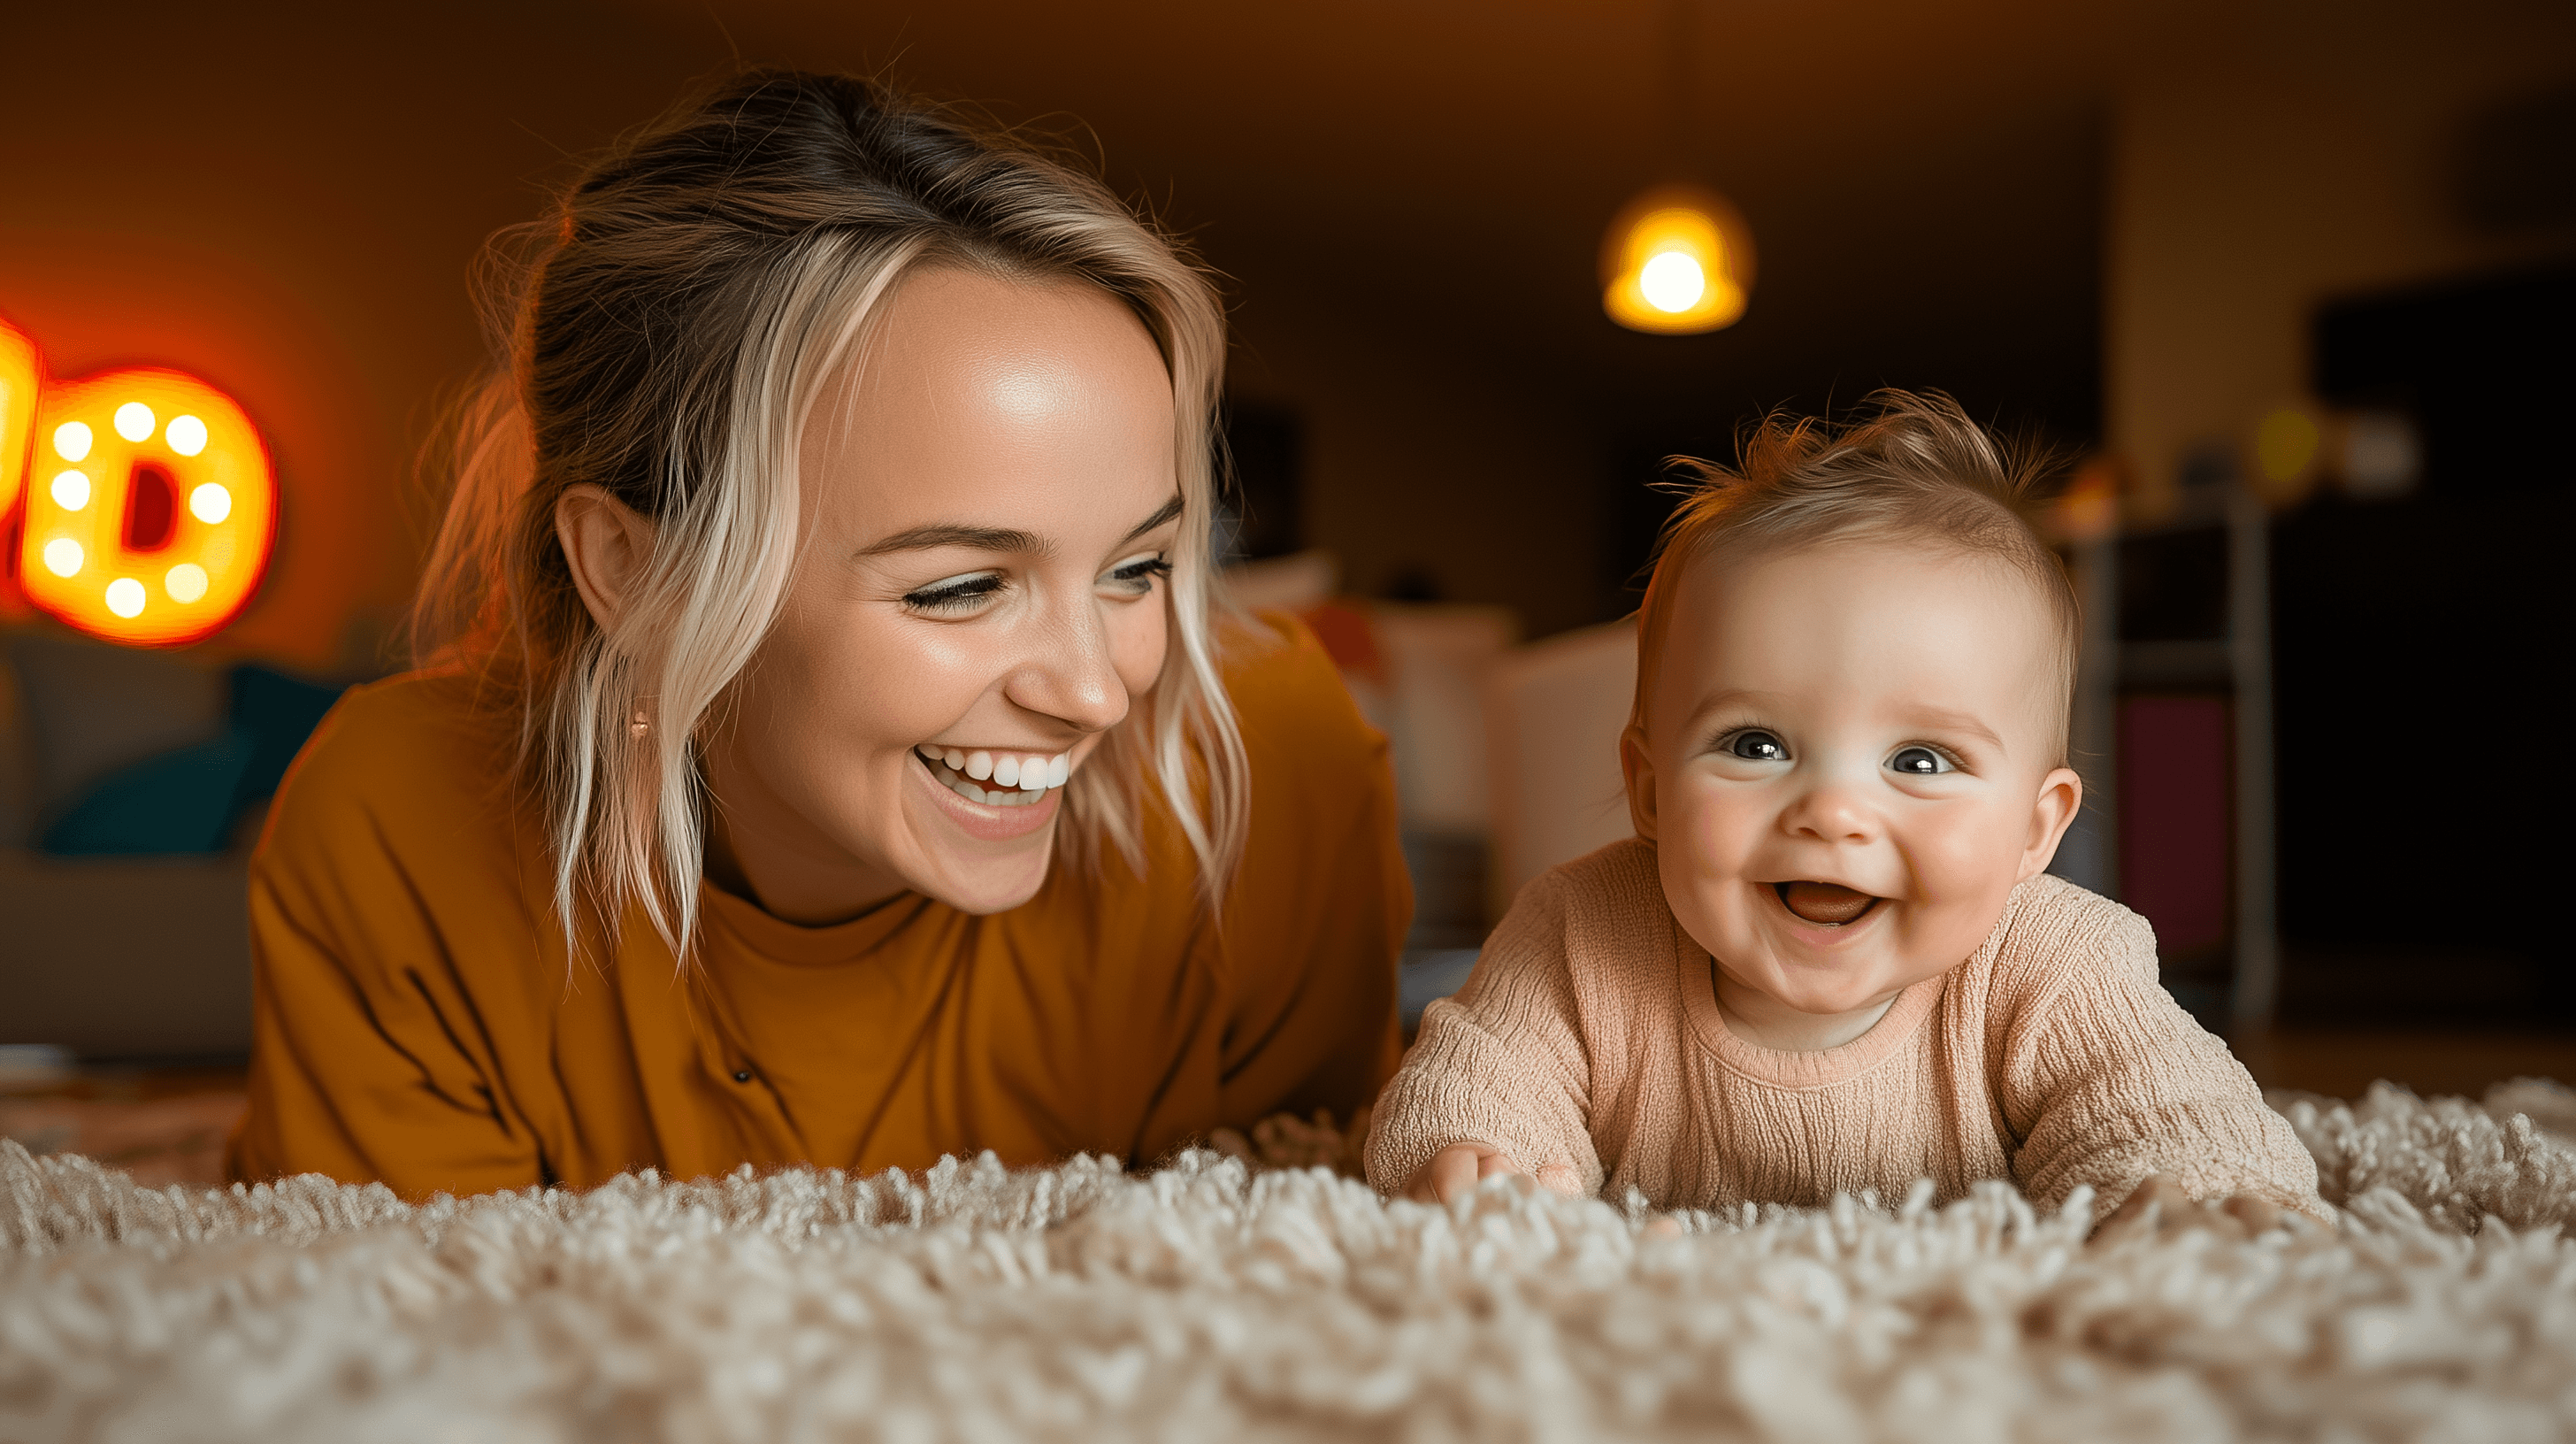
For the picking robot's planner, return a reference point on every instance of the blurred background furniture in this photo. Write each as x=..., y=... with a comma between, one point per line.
x=1505, y=756
x=132, y=783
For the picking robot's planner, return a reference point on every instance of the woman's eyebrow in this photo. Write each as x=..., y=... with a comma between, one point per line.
x=948, y=534
x=1170, y=510
x=996, y=538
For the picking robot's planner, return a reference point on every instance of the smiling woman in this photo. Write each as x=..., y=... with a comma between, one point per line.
x=824, y=750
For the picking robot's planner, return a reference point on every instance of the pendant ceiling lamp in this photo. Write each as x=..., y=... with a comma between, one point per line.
x=1678, y=259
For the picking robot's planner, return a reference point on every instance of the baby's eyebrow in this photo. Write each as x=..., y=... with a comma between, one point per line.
x=1729, y=699
x=1942, y=719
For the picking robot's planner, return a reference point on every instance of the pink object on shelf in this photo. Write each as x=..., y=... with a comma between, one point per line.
x=2176, y=817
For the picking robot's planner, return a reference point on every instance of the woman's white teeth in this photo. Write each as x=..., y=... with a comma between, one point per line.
x=1022, y=780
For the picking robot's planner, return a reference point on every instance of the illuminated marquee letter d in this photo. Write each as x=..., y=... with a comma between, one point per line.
x=150, y=506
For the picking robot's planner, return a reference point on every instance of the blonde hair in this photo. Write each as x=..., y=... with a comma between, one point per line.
x=674, y=324
x=1919, y=469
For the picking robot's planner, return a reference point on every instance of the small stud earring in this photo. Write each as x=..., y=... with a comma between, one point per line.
x=639, y=726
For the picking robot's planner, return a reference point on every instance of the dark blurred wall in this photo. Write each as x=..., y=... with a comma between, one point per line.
x=2325, y=207
x=1405, y=201
x=2031, y=205
x=285, y=201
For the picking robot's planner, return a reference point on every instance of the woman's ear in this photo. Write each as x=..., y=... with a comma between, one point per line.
x=606, y=544
x=2061, y=794
x=1639, y=770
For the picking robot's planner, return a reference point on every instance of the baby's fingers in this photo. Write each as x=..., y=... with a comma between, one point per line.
x=2155, y=1200
x=1456, y=1170
x=1561, y=1178
x=1452, y=1171
x=2256, y=1215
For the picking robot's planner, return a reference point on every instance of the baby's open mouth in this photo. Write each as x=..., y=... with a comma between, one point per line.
x=1827, y=903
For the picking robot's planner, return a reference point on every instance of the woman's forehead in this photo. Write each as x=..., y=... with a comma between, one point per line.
x=986, y=396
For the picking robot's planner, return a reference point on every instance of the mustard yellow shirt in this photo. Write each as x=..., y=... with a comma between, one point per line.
x=418, y=1022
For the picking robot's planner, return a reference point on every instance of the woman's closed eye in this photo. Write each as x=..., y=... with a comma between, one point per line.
x=1135, y=576
x=1921, y=761
x=956, y=594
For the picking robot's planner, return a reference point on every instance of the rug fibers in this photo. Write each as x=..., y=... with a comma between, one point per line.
x=1212, y=1300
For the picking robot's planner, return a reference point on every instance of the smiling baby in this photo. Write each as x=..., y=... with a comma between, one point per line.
x=1832, y=959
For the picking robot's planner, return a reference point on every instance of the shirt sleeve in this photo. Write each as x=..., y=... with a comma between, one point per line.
x=1502, y=1064
x=1318, y=911
x=2108, y=1080
x=367, y=1059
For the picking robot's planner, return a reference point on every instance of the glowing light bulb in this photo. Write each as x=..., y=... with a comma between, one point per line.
x=186, y=582
x=1672, y=282
x=210, y=503
x=63, y=557
x=135, y=421
x=71, y=441
x=187, y=435
x=71, y=490
x=1677, y=260
x=125, y=594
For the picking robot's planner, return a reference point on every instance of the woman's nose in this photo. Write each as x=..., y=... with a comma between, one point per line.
x=1069, y=672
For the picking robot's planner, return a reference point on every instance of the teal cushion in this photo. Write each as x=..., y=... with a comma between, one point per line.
x=188, y=799
x=182, y=801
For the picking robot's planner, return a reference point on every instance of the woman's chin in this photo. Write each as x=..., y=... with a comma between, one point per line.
x=979, y=858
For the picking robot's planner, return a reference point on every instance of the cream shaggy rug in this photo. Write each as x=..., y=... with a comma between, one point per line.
x=1211, y=1300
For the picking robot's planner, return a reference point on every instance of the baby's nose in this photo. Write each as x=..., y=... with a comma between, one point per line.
x=1831, y=813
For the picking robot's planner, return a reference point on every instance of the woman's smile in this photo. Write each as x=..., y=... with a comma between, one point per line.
x=984, y=819
x=1018, y=778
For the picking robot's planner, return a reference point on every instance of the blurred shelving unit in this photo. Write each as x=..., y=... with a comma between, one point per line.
x=2173, y=732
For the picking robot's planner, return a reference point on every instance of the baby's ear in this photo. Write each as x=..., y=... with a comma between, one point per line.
x=2061, y=793
x=1639, y=770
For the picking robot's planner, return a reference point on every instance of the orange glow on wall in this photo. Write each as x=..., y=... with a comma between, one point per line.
x=148, y=505
x=21, y=376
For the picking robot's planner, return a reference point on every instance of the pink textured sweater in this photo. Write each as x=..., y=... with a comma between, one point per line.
x=1589, y=1035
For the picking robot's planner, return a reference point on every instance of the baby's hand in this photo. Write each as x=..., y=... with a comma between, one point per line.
x=2159, y=1203
x=1457, y=1169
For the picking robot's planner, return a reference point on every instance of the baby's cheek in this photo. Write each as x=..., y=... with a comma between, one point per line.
x=1963, y=872
x=1717, y=825
x=1708, y=835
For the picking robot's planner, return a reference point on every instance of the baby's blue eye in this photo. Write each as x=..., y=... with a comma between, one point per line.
x=1919, y=762
x=1757, y=747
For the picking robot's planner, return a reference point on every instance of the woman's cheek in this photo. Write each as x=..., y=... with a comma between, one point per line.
x=1139, y=638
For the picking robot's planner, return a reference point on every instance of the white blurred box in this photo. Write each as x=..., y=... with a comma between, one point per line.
x=1553, y=714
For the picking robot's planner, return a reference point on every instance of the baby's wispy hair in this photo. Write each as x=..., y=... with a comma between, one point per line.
x=1918, y=468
